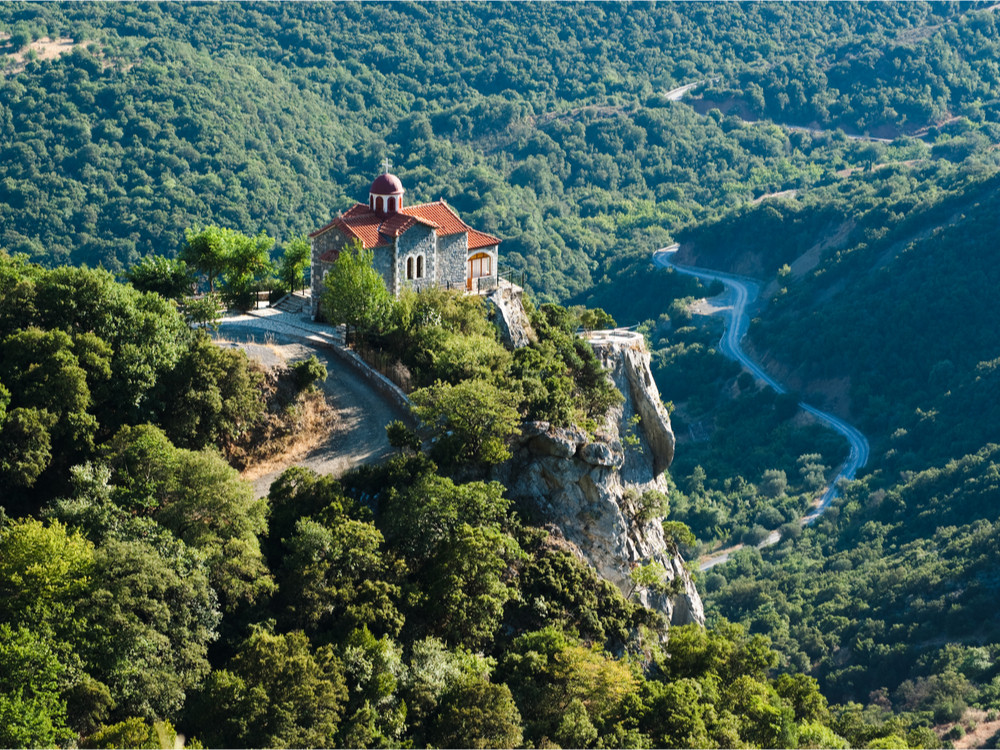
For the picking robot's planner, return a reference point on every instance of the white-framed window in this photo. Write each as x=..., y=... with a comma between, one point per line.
x=420, y=266
x=409, y=268
x=480, y=264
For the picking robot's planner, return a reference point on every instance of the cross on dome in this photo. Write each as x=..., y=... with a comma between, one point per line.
x=386, y=165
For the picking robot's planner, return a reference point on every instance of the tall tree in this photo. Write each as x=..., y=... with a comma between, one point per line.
x=207, y=250
x=248, y=262
x=293, y=264
x=168, y=277
x=355, y=293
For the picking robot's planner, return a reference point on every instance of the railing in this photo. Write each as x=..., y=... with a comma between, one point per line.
x=511, y=276
x=487, y=284
x=371, y=351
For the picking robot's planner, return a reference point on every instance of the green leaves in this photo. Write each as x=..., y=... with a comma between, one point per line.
x=334, y=579
x=472, y=421
x=149, y=618
x=276, y=692
x=294, y=262
x=355, y=293
x=467, y=583
x=44, y=570
x=170, y=278
x=241, y=260
x=32, y=710
x=212, y=396
x=198, y=497
x=51, y=401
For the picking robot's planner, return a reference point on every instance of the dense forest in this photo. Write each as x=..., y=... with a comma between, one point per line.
x=548, y=125
x=274, y=117
x=146, y=591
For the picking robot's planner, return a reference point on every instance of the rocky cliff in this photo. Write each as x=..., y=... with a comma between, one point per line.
x=509, y=316
x=590, y=489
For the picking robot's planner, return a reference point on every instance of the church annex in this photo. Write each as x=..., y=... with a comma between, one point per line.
x=414, y=247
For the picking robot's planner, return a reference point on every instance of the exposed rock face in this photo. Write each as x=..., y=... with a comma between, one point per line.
x=509, y=316
x=587, y=488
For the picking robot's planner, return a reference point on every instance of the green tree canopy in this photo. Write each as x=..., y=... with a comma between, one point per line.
x=168, y=277
x=293, y=264
x=472, y=421
x=32, y=709
x=277, y=691
x=354, y=293
x=207, y=250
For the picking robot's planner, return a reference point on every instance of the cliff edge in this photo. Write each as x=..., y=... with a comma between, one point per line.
x=590, y=489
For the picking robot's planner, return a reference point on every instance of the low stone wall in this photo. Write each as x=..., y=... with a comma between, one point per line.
x=377, y=380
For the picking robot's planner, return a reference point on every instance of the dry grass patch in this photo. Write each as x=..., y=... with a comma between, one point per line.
x=293, y=425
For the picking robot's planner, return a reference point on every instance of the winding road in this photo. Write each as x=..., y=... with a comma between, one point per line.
x=737, y=323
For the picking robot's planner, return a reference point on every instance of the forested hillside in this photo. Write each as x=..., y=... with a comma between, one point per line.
x=171, y=594
x=546, y=125
x=145, y=591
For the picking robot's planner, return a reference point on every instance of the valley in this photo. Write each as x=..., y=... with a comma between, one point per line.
x=492, y=568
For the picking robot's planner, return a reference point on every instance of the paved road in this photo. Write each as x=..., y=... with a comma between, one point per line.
x=675, y=95
x=745, y=291
x=361, y=410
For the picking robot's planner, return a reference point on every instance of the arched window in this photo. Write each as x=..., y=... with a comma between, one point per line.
x=420, y=266
x=380, y=204
x=409, y=268
x=392, y=205
x=371, y=202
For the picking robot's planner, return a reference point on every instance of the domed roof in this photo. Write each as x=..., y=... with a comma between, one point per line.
x=387, y=184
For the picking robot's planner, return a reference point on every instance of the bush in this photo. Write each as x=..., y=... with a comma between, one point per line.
x=307, y=372
x=756, y=535
x=402, y=437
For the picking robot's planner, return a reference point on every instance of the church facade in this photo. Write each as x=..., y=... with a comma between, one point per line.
x=415, y=247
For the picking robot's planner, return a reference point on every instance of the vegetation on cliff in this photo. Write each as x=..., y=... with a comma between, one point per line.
x=145, y=590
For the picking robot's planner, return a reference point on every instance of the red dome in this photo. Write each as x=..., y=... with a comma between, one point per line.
x=387, y=184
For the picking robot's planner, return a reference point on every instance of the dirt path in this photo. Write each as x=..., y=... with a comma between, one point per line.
x=362, y=412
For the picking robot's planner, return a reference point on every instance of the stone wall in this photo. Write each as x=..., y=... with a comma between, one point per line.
x=452, y=253
x=335, y=239
x=331, y=239
x=416, y=241
x=383, y=261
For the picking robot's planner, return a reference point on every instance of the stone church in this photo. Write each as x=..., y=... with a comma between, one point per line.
x=414, y=247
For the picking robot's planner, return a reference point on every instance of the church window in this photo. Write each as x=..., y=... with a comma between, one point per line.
x=392, y=205
x=409, y=268
x=480, y=265
x=420, y=266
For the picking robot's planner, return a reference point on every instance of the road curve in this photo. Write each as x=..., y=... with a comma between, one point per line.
x=737, y=323
x=362, y=410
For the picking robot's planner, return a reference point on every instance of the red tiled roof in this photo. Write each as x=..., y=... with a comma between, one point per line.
x=441, y=215
x=479, y=239
x=358, y=209
x=373, y=230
